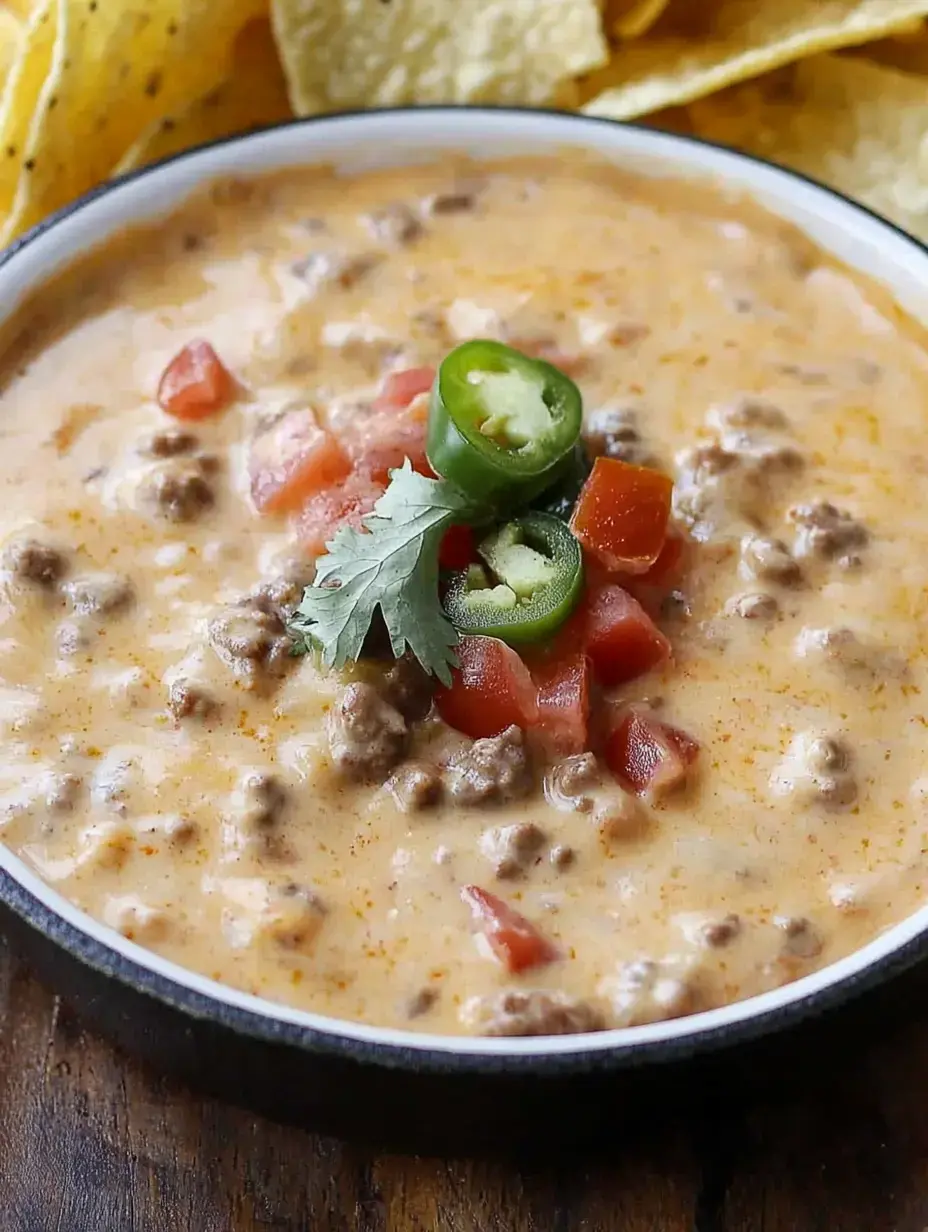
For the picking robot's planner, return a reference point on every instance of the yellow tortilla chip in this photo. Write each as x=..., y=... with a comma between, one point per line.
x=357, y=53
x=20, y=94
x=116, y=68
x=697, y=47
x=11, y=39
x=857, y=126
x=908, y=51
x=627, y=19
x=254, y=94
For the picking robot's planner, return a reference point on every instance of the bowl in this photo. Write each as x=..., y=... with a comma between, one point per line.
x=350, y=1076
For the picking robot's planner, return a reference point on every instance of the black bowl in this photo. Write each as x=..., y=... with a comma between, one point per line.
x=402, y=1088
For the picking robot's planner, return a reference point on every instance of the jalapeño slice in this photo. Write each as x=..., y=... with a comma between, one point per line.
x=532, y=581
x=500, y=422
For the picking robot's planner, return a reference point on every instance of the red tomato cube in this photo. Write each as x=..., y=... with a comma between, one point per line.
x=292, y=460
x=621, y=639
x=396, y=428
x=669, y=565
x=458, y=549
x=344, y=505
x=649, y=758
x=382, y=443
x=564, y=703
x=400, y=388
x=195, y=383
x=651, y=588
x=514, y=940
x=621, y=515
x=491, y=689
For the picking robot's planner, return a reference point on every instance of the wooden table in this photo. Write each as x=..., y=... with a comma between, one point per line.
x=91, y=1142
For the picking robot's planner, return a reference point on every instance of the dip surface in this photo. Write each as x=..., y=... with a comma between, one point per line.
x=165, y=763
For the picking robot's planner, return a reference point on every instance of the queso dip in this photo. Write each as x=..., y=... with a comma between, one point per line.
x=325, y=838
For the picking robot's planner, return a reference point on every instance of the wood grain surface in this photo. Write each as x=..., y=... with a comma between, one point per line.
x=92, y=1142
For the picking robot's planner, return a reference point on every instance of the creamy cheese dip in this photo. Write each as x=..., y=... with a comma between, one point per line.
x=166, y=763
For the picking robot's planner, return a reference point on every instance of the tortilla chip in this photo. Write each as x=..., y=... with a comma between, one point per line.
x=11, y=41
x=696, y=48
x=361, y=53
x=854, y=125
x=625, y=19
x=254, y=94
x=908, y=51
x=116, y=68
x=21, y=92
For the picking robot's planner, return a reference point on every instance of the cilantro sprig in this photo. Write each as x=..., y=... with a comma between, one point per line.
x=392, y=565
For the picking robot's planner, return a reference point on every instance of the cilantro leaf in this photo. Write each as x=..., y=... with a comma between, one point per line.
x=391, y=565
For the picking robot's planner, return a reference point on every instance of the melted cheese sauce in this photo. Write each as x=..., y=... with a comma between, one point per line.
x=765, y=378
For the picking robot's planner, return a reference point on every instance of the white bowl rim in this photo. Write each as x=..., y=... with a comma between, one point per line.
x=112, y=955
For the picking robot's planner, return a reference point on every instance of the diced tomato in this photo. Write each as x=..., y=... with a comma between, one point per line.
x=490, y=690
x=457, y=549
x=621, y=515
x=195, y=383
x=649, y=758
x=396, y=428
x=652, y=588
x=665, y=573
x=292, y=460
x=619, y=636
x=564, y=702
x=382, y=442
x=344, y=505
x=400, y=388
x=669, y=565
x=514, y=940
